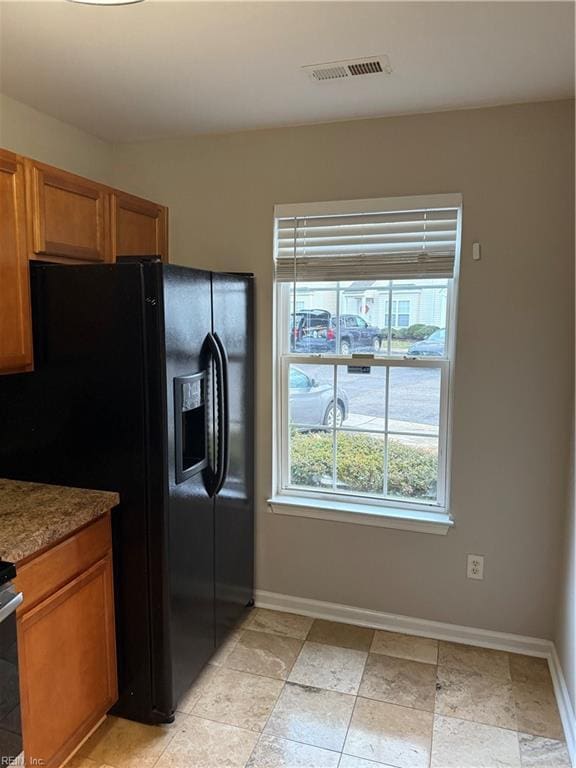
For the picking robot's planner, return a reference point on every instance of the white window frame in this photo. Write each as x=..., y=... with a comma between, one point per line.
x=347, y=506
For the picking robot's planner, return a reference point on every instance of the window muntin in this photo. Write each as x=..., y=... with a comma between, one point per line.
x=396, y=415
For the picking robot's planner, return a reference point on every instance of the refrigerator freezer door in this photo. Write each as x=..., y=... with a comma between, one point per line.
x=234, y=526
x=188, y=321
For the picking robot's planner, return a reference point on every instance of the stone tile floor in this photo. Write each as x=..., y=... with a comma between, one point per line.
x=288, y=691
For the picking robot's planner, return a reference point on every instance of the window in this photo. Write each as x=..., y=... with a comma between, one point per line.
x=400, y=313
x=364, y=317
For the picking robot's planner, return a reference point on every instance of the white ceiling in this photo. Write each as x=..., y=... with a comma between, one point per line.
x=163, y=69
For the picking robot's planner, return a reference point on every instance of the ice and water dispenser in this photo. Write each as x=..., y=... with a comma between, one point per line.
x=191, y=410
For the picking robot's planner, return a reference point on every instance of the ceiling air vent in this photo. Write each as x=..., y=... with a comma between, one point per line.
x=338, y=70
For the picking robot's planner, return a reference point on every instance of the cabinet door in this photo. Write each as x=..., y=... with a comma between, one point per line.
x=139, y=227
x=70, y=216
x=67, y=665
x=15, y=318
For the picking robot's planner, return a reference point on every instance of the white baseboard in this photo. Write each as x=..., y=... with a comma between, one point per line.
x=532, y=646
x=502, y=641
x=564, y=703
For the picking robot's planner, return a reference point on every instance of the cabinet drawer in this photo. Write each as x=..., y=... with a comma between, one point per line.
x=70, y=215
x=44, y=574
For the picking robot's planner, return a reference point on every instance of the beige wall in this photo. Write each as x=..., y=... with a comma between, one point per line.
x=34, y=134
x=513, y=166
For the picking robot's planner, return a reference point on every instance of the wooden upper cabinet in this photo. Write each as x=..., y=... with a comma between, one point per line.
x=69, y=216
x=48, y=214
x=139, y=227
x=15, y=316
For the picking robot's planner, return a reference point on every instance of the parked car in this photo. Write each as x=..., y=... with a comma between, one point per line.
x=308, y=323
x=319, y=335
x=432, y=346
x=313, y=404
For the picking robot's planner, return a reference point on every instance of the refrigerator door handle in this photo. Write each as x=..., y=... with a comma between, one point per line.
x=225, y=422
x=214, y=479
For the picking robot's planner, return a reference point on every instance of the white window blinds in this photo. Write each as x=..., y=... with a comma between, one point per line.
x=405, y=242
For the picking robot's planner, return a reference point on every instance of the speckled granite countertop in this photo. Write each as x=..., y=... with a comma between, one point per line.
x=34, y=515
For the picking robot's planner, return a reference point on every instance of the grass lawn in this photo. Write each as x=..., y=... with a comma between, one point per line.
x=400, y=345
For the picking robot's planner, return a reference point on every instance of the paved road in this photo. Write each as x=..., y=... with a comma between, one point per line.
x=414, y=394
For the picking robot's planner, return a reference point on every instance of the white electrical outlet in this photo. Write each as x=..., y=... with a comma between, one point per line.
x=475, y=568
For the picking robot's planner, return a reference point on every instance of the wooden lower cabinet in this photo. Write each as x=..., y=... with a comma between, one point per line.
x=66, y=644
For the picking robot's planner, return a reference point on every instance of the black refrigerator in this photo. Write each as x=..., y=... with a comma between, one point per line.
x=143, y=384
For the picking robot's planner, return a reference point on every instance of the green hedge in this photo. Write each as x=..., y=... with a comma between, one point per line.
x=412, y=470
x=416, y=332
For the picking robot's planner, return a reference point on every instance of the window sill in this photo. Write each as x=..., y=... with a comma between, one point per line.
x=362, y=514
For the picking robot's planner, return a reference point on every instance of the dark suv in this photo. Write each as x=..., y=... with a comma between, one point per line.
x=318, y=333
